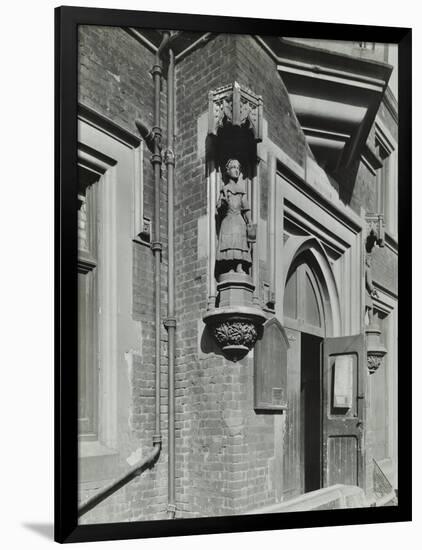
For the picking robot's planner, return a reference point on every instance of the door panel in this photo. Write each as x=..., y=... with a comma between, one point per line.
x=343, y=410
x=342, y=455
x=292, y=468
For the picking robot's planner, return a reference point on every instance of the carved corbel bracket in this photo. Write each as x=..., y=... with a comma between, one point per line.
x=375, y=351
x=236, y=323
x=235, y=106
x=235, y=329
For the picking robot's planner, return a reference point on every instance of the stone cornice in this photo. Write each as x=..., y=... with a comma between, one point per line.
x=384, y=136
x=326, y=62
x=350, y=90
x=370, y=158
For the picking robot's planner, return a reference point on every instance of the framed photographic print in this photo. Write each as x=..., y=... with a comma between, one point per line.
x=231, y=195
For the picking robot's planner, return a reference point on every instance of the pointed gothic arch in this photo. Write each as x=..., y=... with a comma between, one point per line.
x=317, y=299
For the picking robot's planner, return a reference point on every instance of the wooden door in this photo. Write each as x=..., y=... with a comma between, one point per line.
x=292, y=468
x=343, y=414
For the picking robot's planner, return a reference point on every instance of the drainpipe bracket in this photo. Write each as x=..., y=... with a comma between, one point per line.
x=169, y=157
x=156, y=245
x=170, y=322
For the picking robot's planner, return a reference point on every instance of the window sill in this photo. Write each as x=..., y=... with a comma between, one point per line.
x=88, y=449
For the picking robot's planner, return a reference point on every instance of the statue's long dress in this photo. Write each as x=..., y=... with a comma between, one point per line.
x=232, y=241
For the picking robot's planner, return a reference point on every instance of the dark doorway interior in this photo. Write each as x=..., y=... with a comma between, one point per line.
x=310, y=396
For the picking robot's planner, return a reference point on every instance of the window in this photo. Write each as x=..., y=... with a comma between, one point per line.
x=109, y=221
x=87, y=305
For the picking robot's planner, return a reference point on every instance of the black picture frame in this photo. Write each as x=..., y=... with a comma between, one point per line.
x=67, y=20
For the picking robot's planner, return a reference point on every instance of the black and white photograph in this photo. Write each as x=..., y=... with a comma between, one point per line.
x=237, y=205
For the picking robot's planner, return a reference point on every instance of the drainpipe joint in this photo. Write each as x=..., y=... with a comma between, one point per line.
x=156, y=70
x=156, y=131
x=156, y=246
x=156, y=158
x=157, y=439
x=170, y=322
x=171, y=510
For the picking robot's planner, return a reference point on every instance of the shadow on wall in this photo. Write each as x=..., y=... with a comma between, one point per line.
x=208, y=343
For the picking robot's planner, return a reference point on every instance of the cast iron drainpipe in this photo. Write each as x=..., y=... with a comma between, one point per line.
x=170, y=321
x=153, y=140
x=156, y=245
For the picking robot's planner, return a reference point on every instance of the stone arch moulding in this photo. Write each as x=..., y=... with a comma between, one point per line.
x=295, y=247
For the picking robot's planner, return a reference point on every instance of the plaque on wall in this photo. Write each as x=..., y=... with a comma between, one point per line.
x=343, y=382
x=270, y=368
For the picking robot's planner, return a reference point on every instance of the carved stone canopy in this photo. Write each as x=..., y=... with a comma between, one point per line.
x=235, y=106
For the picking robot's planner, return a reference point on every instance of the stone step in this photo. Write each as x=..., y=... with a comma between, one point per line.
x=328, y=498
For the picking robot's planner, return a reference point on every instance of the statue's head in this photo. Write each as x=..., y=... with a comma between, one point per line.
x=233, y=168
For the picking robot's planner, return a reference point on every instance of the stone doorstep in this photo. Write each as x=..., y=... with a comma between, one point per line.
x=387, y=467
x=336, y=496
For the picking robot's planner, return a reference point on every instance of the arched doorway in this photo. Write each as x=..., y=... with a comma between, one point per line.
x=322, y=439
x=306, y=318
x=303, y=304
x=306, y=254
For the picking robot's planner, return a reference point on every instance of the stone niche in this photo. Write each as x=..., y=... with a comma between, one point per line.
x=234, y=315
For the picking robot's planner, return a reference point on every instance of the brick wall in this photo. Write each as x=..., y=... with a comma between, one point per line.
x=115, y=80
x=225, y=451
x=202, y=458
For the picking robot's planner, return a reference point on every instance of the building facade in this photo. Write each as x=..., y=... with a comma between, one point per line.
x=265, y=387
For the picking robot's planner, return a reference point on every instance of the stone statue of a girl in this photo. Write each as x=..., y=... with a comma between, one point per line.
x=233, y=251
